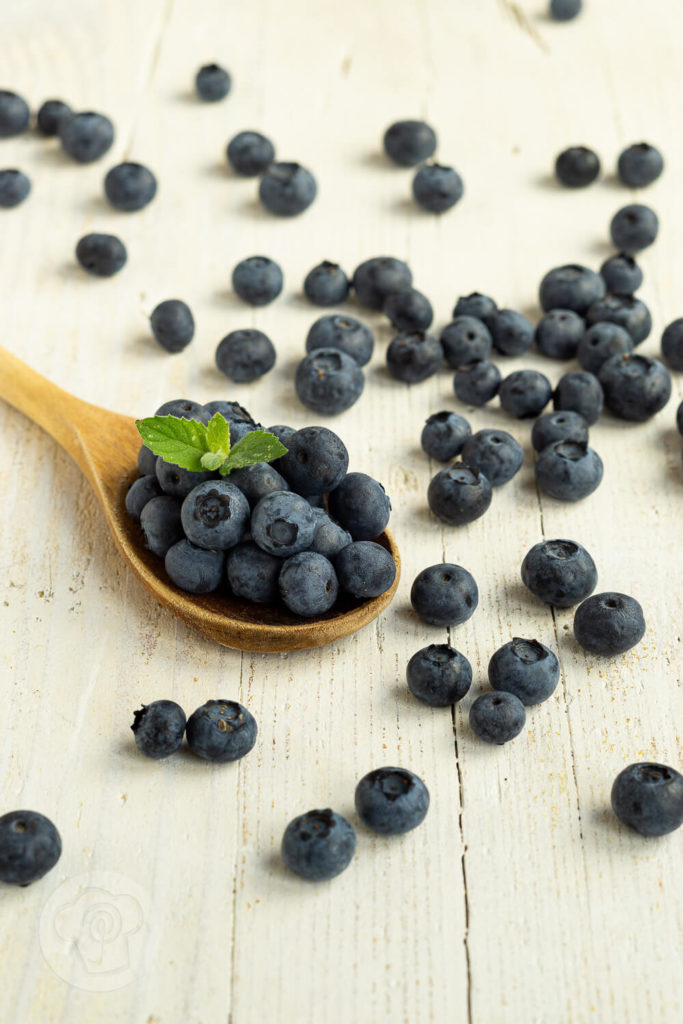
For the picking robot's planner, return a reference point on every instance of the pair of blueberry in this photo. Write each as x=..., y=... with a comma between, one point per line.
x=638, y=165
x=218, y=731
x=436, y=187
x=286, y=188
x=319, y=844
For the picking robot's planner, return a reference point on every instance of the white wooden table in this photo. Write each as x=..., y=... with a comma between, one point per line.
x=520, y=899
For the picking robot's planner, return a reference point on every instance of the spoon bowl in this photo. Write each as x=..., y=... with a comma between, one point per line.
x=110, y=467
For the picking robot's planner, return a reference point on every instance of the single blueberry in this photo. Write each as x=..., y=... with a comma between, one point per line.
x=602, y=340
x=172, y=324
x=443, y=435
x=250, y=153
x=30, y=845
x=213, y=83
x=577, y=166
x=329, y=537
x=609, y=623
x=672, y=344
x=465, y=340
x=568, y=470
x=257, y=280
x=444, y=594
x=571, y=286
x=477, y=382
x=376, y=278
x=559, y=572
x=648, y=797
x=147, y=461
x=308, y=584
x=193, y=569
x=185, y=409
x=101, y=255
x=245, y=355
x=160, y=524
x=409, y=310
x=326, y=284
x=629, y=313
x=391, y=801
x=634, y=227
x=679, y=419
x=526, y=668
x=287, y=189
x=640, y=164
x=140, y=492
x=221, y=730
x=414, y=356
x=86, y=137
x=130, y=186
x=318, y=845
x=482, y=307
x=215, y=515
x=282, y=523
x=565, y=10
x=635, y=387
x=621, y=274
x=361, y=505
x=459, y=495
x=328, y=381
x=497, y=717
x=344, y=333
x=14, y=114
x=559, y=333
x=512, y=333
x=50, y=116
x=159, y=728
x=579, y=391
x=253, y=573
x=316, y=461
x=233, y=412
x=437, y=188
x=439, y=675
x=409, y=143
x=495, y=453
x=257, y=480
x=365, y=569
x=558, y=426
x=525, y=393
x=177, y=481
x=14, y=187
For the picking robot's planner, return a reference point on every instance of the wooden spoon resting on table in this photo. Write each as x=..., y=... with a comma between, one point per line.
x=105, y=446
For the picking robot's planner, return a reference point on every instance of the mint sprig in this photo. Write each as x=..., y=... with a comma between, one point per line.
x=198, y=446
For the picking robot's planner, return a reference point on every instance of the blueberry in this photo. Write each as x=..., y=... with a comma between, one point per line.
x=316, y=461
x=525, y=393
x=344, y=333
x=159, y=728
x=465, y=340
x=526, y=668
x=240, y=429
x=172, y=324
x=213, y=83
x=579, y=391
x=30, y=845
x=253, y=573
x=245, y=355
x=414, y=356
x=86, y=137
x=497, y=717
x=147, y=461
x=621, y=274
x=511, y=332
x=257, y=480
x=329, y=537
x=640, y=164
x=130, y=186
x=495, y=453
x=14, y=114
x=176, y=481
x=629, y=313
x=477, y=383
x=609, y=623
x=444, y=594
x=391, y=801
x=577, y=166
x=365, y=569
x=648, y=797
x=140, y=492
x=602, y=340
x=160, y=524
x=328, y=381
x=14, y=187
x=443, y=435
x=257, y=280
x=50, y=116
x=679, y=419
x=559, y=572
x=565, y=10
x=558, y=426
x=459, y=494
x=215, y=515
x=481, y=307
x=672, y=344
x=233, y=412
x=437, y=188
x=250, y=153
x=193, y=569
x=185, y=409
x=221, y=730
x=375, y=279
x=635, y=387
x=318, y=845
x=101, y=255
x=287, y=189
x=308, y=584
x=439, y=675
x=282, y=523
x=571, y=286
x=558, y=333
x=409, y=143
x=409, y=310
x=568, y=470
x=361, y=505
x=326, y=284
x=634, y=227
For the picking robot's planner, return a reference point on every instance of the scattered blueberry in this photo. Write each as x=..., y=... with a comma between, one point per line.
x=648, y=797
x=245, y=355
x=376, y=278
x=558, y=426
x=602, y=340
x=140, y=492
x=326, y=284
x=361, y=505
x=679, y=419
x=193, y=569
x=101, y=255
x=525, y=393
x=629, y=313
x=565, y=10
x=526, y=668
x=634, y=227
x=50, y=115
x=558, y=333
x=409, y=143
x=465, y=340
x=318, y=845
x=439, y=675
x=570, y=287
x=443, y=435
x=250, y=153
x=287, y=189
x=172, y=324
x=482, y=307
x=30, y=845
x=221, y=730
x=621, y=274
x=577, y=166
x=414, y=356
x=308, y=584
x=282, y=523
x=640, y=164
x=477, y=382
x=253, y=573
x=213, y=83
x=86, y=137
x=609, y=623
x=14, y=187
x=328, y=381
x=344, y=333
x=14, y=114
x=409, y=310
x=257, y=280
x=497, y=717
x=459, y=494
x=215, y=515
x=159, y=728
x=437, y=188
x=559, y=572
x=672, y=344
x=568, y=470
x=579, y=391
x=444, y=594
x=160, y=524
x=365, y=569
x=495, y=453
x=511, y=332
x=391, y=801
x=130, y=186
x=635, y=387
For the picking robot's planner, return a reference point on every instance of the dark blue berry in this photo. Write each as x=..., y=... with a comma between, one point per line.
x=329, y=537
x=571, y=286
x=172, y=324
x=282, y=433
x=640, y=164
x=391, y=801
x=376, y=278
x=621, y=274
x=257, y=280
x=365, y=569
x=160, y=524
x=361, y=505
x=253, y=573
x=14, y=187
x=130, y=186
x=635, y=387
x=409, y=143
x=559, y=572
x=193, y=569
x=565, y=10
x=159, y=728
x=629, y=313
x=465, y=340
x=577, y=166
x=602, y=340
x=437, y=188
x=316, y=461
x=250, y=153
x=221, y=730
x=512, y=333
x=318, y=845
x=609, y=623
x=526, y=668
x=634, y=227
x=558, y=426
x=50, y=116
x=147, y=461
x=558, y=333
x=497, y=717
x=459, y=494
x=233, y=412
x=672, y=344
x=213, y=83
x=176, y=481
x=140, y=492
x=568, y=470
x=215, y=515
x=439, y=675
x=101, y=255
x=282, y=523
x=344, y=333
x=86, y=137
x=444, y=594
x=579, y=391
x=185, y=409
x=30, y=845
x=443, y=435
x=409, y=310
x=679, y=419
x=14, y=114
x=257, y=480
x=525, y=393
x=245, y=355
x=477, y=383
x=414, y=356
x=482, y=307
x=648, y=797
x=287, y=189
x=328, y=381
x=495, y=453
x=326, y=284
x=308, y=584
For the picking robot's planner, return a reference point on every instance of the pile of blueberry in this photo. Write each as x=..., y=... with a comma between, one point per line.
x=301, y=530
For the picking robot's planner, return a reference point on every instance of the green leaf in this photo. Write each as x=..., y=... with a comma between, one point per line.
x=182, y=442
x=257, y=446
x=218, y=434
x=213, y=460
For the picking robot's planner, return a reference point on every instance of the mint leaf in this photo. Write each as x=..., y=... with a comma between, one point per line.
x=213, y=460
x=257, y=446
x=218, y=434
x=182, y=442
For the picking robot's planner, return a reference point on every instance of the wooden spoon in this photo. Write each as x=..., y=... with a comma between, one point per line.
x=105, y=446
